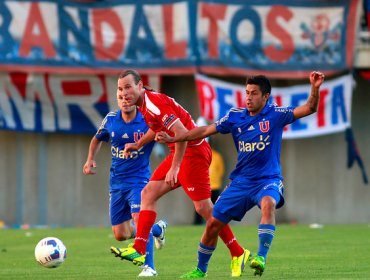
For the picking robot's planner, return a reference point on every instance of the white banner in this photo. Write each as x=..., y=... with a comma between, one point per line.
x=334, y=112
x=58, y=103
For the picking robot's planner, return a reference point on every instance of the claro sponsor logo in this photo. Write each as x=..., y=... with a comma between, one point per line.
x=253, y=146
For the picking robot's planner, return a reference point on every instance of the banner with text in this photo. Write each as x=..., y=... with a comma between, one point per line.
x=280, y=38
x=216, y=98
x=58, y=103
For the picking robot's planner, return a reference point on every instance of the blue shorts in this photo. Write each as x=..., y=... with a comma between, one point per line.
x=239, y=197
x=122, y=203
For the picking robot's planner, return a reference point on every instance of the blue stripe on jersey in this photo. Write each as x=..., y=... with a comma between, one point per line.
x=135, y=169
x=257, y=140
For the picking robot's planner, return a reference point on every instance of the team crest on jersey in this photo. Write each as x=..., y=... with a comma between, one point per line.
x=138, y=135
x=112, y=133
x=264, y=126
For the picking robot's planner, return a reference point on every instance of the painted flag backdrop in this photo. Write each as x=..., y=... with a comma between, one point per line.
x=216, y=98
x=279, y=38
x=57, y=102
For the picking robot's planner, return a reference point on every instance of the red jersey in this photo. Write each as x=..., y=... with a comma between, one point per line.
x=161, y=112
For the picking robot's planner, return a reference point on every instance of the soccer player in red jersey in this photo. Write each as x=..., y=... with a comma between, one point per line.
x=187, y=165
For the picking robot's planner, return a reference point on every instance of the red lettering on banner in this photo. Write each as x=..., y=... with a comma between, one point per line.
x=206, y=95
x=71, y=88
x=19, y=80
x=321, y=109
x=172, y=49
x=213, y=12
x=104, y=97
x=35, y=34
x=240, y=101
x=107, y=16
x=279, y=102
x=287, y=49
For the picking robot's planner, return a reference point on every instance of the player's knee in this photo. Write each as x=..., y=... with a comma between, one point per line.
x=203, y=209
x=122, y=236
x=213, y=228
x=268, y=207
x=147, y=195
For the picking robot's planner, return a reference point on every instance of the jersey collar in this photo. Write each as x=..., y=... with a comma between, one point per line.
x=264, y=111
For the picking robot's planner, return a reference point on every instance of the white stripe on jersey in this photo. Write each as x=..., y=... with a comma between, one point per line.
x=110, y=114
x=237, y=109
x=151, y=107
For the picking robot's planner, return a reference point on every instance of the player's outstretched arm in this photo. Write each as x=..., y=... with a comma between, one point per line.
x=316, y=80
x=88, y=168
x=187, y=135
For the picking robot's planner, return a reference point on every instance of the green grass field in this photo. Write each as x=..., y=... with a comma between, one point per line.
x=298, y=252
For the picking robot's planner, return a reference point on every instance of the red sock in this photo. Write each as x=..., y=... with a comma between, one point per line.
x=228, y=238
x=145, y=223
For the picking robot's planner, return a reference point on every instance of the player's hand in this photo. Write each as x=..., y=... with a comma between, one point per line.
x=316, y=78
x=128, y=148
x=88, y=168
x=162, y=137
x=171, y=176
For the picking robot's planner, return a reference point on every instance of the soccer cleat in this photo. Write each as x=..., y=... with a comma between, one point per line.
x=258, y=264
x=160, y=240
x=148, y=272
x=238, y=263
x=129, y=254
x=196, y=273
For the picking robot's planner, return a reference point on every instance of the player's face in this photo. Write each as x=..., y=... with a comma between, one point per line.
x=123, y=105
x=129, y=90
x=254, y=99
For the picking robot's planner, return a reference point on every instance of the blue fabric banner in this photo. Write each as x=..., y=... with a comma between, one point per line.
x=279, y=38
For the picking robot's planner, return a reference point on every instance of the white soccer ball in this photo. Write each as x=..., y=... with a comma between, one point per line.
x=50, y=252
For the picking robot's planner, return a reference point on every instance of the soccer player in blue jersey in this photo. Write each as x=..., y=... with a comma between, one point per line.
x=128, y=176
x=256, y=180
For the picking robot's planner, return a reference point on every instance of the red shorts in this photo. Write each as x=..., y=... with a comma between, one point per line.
x=194, y=171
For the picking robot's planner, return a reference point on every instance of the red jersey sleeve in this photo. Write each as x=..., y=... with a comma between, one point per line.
x=160, y=112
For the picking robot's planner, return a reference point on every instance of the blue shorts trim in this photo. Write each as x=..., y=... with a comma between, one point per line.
x=239, y=197
x=122, y=203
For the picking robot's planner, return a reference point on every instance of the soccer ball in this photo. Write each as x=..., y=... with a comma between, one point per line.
x=50, y=252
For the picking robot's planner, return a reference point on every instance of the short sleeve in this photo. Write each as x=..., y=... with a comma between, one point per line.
x=161, y=107
x=103, y=134
x=285, y=115
x=223, y=125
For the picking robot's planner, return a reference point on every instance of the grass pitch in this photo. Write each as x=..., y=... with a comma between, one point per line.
x=297, y=252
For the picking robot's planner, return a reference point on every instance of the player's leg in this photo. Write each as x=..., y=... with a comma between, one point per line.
x=149, y=268
x=150, y=194
x=194, y=177
x=233, y=204
x=120, y=215
x=206, y=248
x=269, y=199
x=159, y=233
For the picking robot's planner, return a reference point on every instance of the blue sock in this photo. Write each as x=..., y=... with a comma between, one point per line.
x=149, y=259
x=156, y=230
x=204, y=255
x=266, y=234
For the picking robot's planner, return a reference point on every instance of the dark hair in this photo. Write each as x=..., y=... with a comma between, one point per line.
x=134, y=73
x=260, y=81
